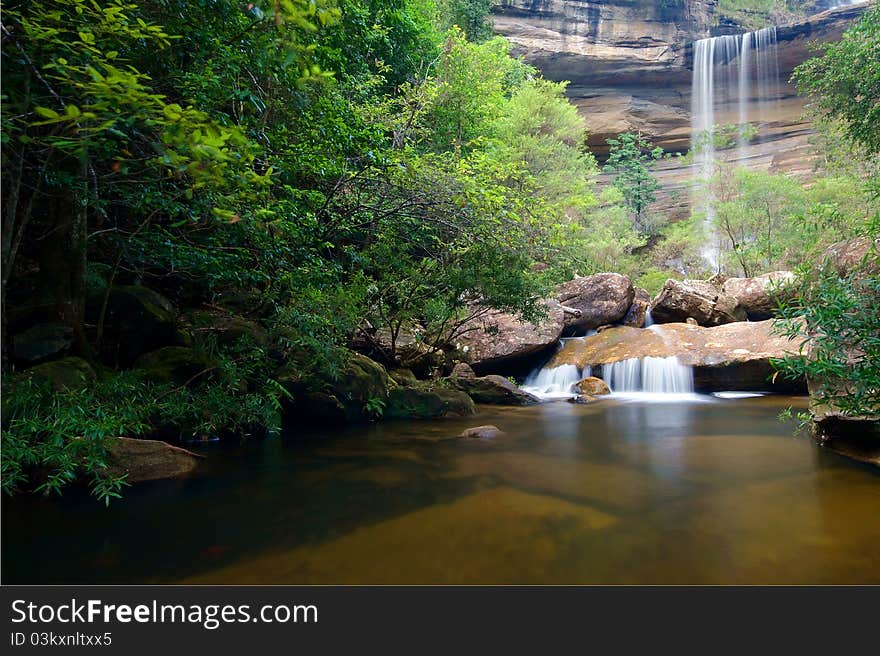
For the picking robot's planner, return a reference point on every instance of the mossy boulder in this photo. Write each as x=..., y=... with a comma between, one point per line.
x=226, y=328
x=403, y=377
x=138, y=320
x=67, y=373
x=494, y=390
x=359, y=394
x=172, y=364
x=42, y=342
x=425, y=401
x=592, y=386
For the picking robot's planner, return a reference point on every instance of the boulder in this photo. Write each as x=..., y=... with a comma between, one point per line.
x=427, y=402
x=359, y=394
x=592, y=386
x=137, y=321
x=679, y=300
x=847, y=256
x=225, y=328
x=582, y=399
x=462, y=370
x=638, y=311
x=173, y=364
x=67, y=373
x=148, y=460
x=42, y=342
x=498, y=338
x=495, y=390
x=593, y=301
x=759, y=296
x=734, y=356
x=403, y=377
x=484, y=432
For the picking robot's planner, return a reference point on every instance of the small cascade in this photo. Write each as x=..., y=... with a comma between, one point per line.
x=733, y=70
x=653, y=375
x=554, y=382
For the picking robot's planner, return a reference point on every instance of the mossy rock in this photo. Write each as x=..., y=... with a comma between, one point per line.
x=227, y=328
x=427, y=402
x=172, y=364
x=67, y=373
x=493, y=390
x=138, y=320
x=362, y=386
x=403, y=377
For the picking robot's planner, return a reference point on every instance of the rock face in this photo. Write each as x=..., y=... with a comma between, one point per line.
x=679, y=300
x=759, y=296
x=597, y=300
x=148, y=460
x=498, y=338
x=846, y=256
x=734, y=356
x=427, y=402
x=495, y=390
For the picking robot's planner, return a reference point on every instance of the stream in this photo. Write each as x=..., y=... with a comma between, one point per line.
x=698, y=489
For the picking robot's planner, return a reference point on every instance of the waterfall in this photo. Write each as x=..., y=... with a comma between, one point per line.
x=554, y=382
x=654, y=375
x=715, y=81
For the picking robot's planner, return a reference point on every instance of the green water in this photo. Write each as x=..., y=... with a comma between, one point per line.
x=616, y=492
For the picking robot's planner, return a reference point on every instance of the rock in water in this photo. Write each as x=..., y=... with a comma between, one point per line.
x=485, y=432
x=498, y=338
x=679, y=300
x=148, y=460
x=593, y=301
x=759, y=296
x=734, y=356
x=495, y=390
x=592, y=386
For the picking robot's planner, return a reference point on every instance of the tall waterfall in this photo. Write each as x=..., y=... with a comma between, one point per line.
x=655, y=375
x=740, y=68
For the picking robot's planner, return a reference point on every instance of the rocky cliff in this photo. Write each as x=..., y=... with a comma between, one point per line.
x=629, y=63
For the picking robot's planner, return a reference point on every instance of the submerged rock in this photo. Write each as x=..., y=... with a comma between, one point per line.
x=680, y=299
x=427, y=402
x=759, y=296
x=597, y=300
x=148, y=460
x=592, y=386
x=484, y=432
x=583, y=399
x=734, y=356
x=499, y=339
x=494, y=390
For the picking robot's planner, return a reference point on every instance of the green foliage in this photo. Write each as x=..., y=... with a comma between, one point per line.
x=836, y=322
x=845, y=80
x=472, y=16
x=629, y=161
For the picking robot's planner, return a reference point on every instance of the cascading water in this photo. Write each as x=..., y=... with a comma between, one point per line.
x=652, y=375
x=554, y=382
x=741, y=64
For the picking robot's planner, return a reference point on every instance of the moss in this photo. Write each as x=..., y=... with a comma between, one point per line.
x=68, y=373
x=172, y=364
x=403, y=377
x=427, y=402
x=228, y=328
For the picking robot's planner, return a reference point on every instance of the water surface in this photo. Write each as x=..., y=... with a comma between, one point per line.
x=699, y=490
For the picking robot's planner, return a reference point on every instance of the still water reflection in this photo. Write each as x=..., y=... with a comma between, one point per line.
x=625, y=491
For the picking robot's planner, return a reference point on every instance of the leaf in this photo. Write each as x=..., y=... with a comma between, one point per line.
x=45, y=112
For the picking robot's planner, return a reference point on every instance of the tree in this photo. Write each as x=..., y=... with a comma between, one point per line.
x=472, y=16
x=845, y=81
x=629, y=162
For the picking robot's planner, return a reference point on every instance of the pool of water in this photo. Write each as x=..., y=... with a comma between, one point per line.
x=629, y=490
